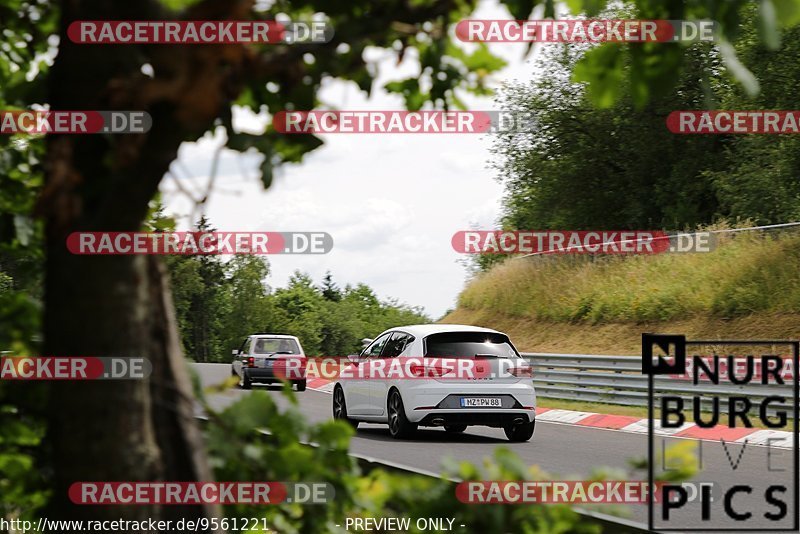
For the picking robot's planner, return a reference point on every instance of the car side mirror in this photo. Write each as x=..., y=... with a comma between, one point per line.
x=355, y=359
x=235, y=352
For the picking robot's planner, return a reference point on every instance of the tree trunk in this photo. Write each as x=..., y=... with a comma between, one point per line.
x=119, y=430
x=120, y=306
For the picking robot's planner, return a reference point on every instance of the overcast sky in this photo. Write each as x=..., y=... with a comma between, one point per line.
x=392, y=202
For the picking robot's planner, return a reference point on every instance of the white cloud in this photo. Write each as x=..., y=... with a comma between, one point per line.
x=391, y=202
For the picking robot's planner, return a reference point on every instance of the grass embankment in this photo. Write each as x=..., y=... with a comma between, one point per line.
x=749, y=287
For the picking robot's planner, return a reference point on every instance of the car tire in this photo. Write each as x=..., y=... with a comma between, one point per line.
x=301, y=385
x=244, y=381
x=340, y=407
x=519, y=433
x=233, y=371
x=399, y=425
x=454, y=429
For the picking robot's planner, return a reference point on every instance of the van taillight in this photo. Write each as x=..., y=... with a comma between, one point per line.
x=251, y=361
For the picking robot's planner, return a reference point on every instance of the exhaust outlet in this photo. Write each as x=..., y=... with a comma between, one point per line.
x=519, y=420
x=438, y=422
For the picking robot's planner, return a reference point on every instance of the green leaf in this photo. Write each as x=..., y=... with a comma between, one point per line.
x=549, y=9
x=738, y=70
x=483, y=60
x=768, y=24
x=267, y=170
x=520, y=9
x=590, y=7
x=24, y=227
x=410, y=90
x=654, y=70
x=178, y=4
x=511, y=463
x=14, y=465
x=788, y=12
x=242, y=142
x=602, y=69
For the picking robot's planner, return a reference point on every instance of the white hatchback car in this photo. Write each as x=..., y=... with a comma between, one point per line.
x=502, y=397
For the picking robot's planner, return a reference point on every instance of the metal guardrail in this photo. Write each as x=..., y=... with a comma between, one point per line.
x=619, y=380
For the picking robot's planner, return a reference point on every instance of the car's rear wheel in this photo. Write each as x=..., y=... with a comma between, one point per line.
x=244, y=381
x=301, y=385
x=455, y=429
x=340, y=407
x=520, y=432
x=399, y=425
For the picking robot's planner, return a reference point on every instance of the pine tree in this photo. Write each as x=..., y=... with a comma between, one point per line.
x=330, y=291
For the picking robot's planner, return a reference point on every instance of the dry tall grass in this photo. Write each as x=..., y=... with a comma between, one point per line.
x=747, y=273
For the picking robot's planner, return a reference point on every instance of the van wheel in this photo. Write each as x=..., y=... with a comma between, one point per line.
x=301, y=385
x=244, y=381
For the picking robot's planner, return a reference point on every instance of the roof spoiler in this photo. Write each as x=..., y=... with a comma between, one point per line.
x=271, y=334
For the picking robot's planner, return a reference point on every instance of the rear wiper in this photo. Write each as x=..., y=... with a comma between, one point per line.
x=490, y=356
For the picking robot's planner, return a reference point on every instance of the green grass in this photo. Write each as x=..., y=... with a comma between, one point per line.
x=594, y=407
x=747, y=273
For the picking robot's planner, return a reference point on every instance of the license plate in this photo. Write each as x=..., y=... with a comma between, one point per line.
x=481, y=402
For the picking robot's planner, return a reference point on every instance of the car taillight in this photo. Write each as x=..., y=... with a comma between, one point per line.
x=426, y=371
x=251, y=361
x=522, y=371
x=417, y=370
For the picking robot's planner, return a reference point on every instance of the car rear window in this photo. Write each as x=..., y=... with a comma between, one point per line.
x=469, y=344
x=266, y=345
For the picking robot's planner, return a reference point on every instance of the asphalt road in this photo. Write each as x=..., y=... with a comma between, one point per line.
x=564, y=451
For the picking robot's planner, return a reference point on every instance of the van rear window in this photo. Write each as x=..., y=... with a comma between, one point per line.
x=271, y=345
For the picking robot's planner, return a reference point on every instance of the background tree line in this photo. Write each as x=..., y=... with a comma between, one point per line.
x=619, y=167
x=218, y=303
